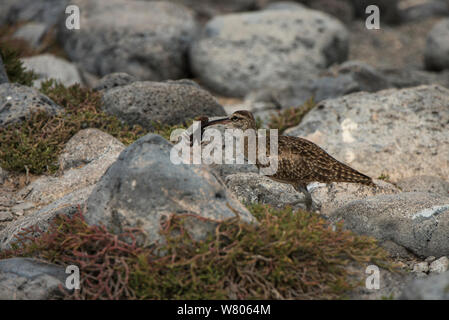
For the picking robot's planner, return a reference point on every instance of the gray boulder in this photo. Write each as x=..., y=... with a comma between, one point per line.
x=439, y=266
x=405, y=78
x=436, y=56
x=206, y=9
x=342, y=10
x=255, y=188
x=47, y=11
x=32, y=33
x=48, y=66
x=3, y=75
x=329, y=197
x=425, y=10
x=414, y=220
x=84, y=160
x=42, y=215
x=224, y=170
x=30, y=279
x=284, y=5
x=172, y=102
x=398, y=133
x=143, y=188
x=112, y=80
x=349, y=77
x=89, y=145
x=17, y=102
x=146, y=39
x=435, y=287
x=424, y=184
x=238, y=53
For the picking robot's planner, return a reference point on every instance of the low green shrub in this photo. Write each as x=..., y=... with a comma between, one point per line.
x=288, y=255
x=14, y=67
x=290, y=117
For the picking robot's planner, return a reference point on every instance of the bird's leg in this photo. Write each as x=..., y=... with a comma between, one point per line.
x=303, y=189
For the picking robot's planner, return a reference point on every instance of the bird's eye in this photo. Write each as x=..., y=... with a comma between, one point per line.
x=234, y=118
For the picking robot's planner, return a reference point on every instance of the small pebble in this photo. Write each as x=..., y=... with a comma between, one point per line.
x=439, y=266
x=421, y=267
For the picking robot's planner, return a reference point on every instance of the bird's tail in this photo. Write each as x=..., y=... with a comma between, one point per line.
x=344, y=173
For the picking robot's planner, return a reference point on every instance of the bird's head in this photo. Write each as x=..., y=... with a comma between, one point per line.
x=241, y=119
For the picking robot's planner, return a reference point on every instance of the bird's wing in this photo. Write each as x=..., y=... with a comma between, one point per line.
x=311, y=163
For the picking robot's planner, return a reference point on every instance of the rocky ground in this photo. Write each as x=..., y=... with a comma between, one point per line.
x=381, y=105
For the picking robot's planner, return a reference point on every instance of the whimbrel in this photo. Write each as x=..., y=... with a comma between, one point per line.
x=300, y=161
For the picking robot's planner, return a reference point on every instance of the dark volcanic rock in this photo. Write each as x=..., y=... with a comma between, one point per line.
x=172, y=102
x=112, y=80
x=146, y=39
x=46, y=11
x=17, y=102
x=30, y=279
x=143, y=188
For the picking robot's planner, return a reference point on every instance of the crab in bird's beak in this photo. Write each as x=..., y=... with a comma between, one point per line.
x=205, y=123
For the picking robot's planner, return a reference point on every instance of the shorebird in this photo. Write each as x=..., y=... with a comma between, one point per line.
x=300, y=161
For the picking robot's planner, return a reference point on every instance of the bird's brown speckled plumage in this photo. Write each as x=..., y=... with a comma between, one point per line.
x=300, y=161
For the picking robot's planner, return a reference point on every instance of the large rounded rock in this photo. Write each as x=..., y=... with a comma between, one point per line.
x=329, y=197
x=147, y=39
x=89, y=145
x=112, y=80
x=436, y=56
x=143, y=188
x=30, y=279
x=348, y=77
x=84, y=160
x=46, y=11
x=33, y=33
x=238, y=53
x=255, y=188
x=424, y=184
x=48, y=66
x=414, y=220
x=86, y=156
x=206, y=9
x=432, y=288
x=342, y=10
x=171, y=102
x=17, y=102
x=398, y=133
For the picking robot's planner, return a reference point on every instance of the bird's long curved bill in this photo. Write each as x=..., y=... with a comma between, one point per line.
x=217, y=121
